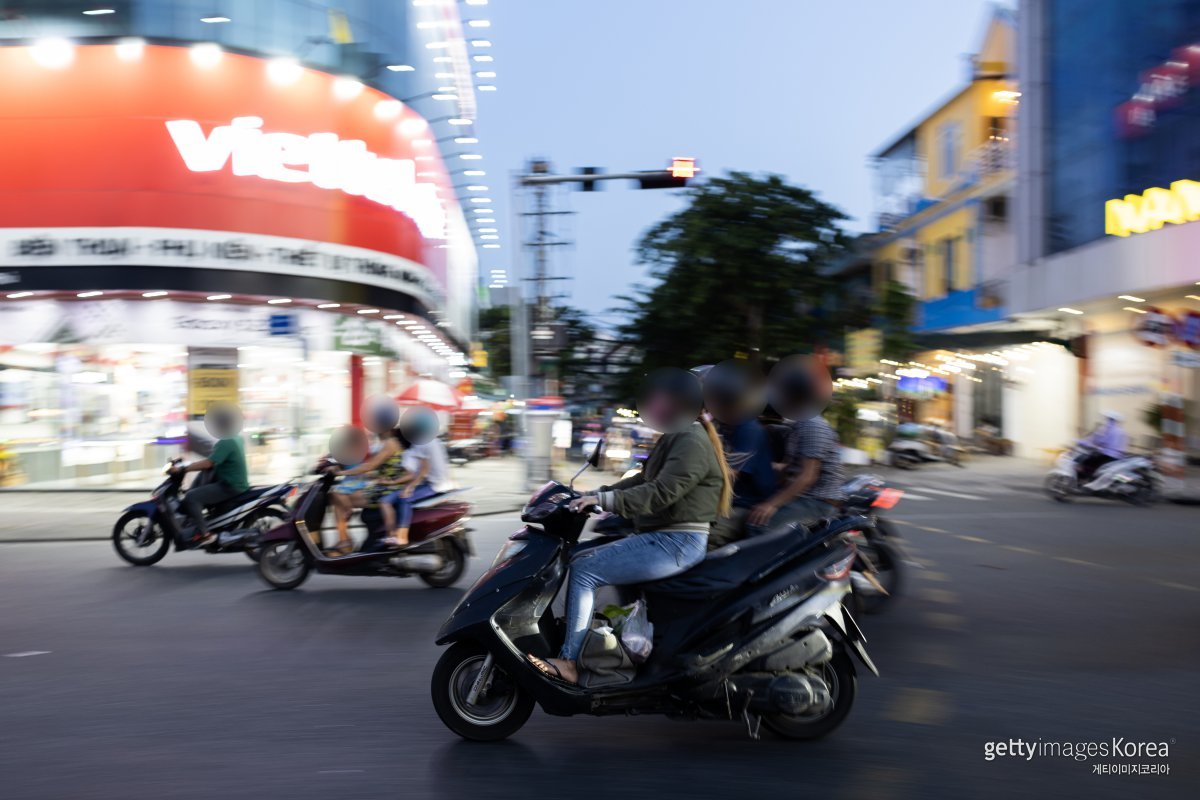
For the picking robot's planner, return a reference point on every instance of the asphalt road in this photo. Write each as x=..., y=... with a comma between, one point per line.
x=1023, y=619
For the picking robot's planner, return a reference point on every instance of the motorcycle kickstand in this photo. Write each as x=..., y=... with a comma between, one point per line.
x=753, y=721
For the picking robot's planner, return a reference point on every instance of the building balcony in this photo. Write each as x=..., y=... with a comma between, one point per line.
x=961, y=308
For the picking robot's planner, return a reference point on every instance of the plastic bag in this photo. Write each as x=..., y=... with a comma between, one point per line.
x=633, y=627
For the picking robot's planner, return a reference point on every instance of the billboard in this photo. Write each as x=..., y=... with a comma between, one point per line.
x=160, y=158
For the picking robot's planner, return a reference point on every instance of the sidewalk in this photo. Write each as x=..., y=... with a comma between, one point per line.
x=59, y=512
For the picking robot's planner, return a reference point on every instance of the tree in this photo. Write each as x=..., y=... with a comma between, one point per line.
x=737, y=271
x=895, y=320
x=495, y=335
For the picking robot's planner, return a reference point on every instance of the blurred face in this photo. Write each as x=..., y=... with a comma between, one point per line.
x=670, y=399
x=223, y=420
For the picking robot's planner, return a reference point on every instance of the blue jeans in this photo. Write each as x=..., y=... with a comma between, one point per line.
x=635, y=559
x=404, y=505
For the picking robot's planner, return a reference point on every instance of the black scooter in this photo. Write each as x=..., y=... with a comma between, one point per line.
x=145, y=531
x=755, y=632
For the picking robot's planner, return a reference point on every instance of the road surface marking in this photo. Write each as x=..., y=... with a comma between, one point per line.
x=963, y=495
x=27, y=653
x=1182, y=586
x=939, y=596
x=937, y=619
x=1016, y=549
x=1081, y=562
x=338, y=771
x=910, y=496
x=920, y=707
x=972, y=539
x=930, y=529
x=939, y=577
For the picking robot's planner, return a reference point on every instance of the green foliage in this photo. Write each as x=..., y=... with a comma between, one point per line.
x=842, y=414
x=496, y=334
x=737, y=271
x=895, y=313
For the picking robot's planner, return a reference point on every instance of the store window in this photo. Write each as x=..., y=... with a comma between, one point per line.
x=949, y=147
x=949, y=265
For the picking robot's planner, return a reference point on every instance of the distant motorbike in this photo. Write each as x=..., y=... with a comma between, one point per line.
x=145, y=531
x=437, y=551
x=464, y=451
x=930, y=445
x=1134, y=479
x=756, y=632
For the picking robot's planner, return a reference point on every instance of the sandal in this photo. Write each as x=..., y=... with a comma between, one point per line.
x=549, y=670
x=394, y=543
x=340, y=549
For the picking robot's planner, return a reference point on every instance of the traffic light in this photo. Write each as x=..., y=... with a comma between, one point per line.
x=675, y=177
x=586, y=185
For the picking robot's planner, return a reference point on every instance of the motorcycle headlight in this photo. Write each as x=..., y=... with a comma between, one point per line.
x=509, y=551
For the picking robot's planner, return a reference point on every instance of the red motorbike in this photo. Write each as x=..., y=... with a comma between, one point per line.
x=437, y=553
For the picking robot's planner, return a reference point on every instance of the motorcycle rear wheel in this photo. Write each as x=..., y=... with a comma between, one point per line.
x=124, y=535
x=265, y=520
x=838, y=673
x=455, y=564
x=889, y=566
x=497, y=714
x=277, y=572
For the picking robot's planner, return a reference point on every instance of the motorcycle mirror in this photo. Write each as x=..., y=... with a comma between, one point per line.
x=597, y=451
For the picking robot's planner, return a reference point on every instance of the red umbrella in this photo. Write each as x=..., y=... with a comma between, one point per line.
x=433, y=394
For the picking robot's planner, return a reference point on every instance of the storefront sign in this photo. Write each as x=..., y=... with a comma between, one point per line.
x=212, y=378
x=158, y=162
x=1153, y=208
x=1158, y=328
x=1161, y=87
x=863, y=349
x=75, y=247
x=321, y=159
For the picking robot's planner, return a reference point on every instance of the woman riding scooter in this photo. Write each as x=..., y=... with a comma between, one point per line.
x=684, y=487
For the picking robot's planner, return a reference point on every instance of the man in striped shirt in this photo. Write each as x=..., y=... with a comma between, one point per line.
x=814, y=476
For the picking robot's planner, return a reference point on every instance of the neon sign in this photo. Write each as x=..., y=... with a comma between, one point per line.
x=1153, y=208
x=321, y=159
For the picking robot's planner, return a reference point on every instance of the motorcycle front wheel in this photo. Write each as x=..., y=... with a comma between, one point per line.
x=138, y=540
x=264, y=521
x=838, y=674
x=1059, y=487
x=500, y=709
x=282, y=564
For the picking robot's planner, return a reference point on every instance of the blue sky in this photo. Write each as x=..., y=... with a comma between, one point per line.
x=805, y=88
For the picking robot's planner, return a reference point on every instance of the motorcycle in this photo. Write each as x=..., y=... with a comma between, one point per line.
x=145, y=531
x=1134, y=479
x=879, y=573
x=756, y=632
x=927, y=446
x=437, y=552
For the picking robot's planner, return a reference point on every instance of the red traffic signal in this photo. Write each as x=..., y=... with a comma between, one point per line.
x=683, y=167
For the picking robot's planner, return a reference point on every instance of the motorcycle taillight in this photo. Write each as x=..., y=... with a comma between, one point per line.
x=840, y=568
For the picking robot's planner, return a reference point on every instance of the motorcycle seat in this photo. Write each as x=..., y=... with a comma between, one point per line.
x=253, y=493
x=728, y=567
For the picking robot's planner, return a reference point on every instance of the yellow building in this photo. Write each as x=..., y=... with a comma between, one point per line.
x=943, y=193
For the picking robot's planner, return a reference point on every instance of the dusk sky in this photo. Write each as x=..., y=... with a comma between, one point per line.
x=803, y=88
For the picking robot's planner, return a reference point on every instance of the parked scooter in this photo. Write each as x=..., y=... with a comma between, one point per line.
x=755, y=632
x=145, y=531
x=437, y=551
x=1134, y=479
x=925, y=445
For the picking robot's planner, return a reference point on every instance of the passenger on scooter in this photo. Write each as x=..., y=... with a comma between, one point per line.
x=814, y=472
x=428, y=473
x=354, y=490
x=684, y=487
x=1109, y=442
x=228, y=463
x=748, y=452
